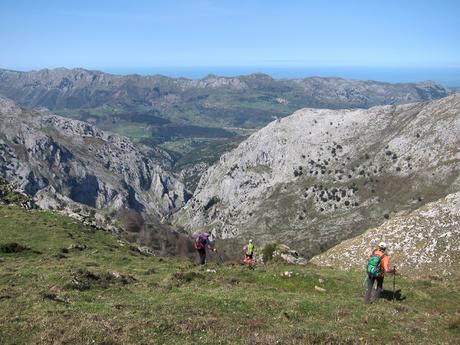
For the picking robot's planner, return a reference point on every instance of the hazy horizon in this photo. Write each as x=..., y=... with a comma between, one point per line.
x=446, y=76
x=396, y=41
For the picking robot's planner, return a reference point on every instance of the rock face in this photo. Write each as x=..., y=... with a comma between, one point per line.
x=424, y=242
x=43, y=152
x=80, y=88
x=319, y=177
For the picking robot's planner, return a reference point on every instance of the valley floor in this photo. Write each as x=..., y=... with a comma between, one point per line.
x=75, y=285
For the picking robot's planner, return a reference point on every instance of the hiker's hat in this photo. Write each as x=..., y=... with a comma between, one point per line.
x=382, y=245
x=250, y=241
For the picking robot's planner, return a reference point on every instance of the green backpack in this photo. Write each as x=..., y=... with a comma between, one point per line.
x=373, y=265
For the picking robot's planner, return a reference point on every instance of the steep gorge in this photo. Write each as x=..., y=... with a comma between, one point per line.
x=47, y=154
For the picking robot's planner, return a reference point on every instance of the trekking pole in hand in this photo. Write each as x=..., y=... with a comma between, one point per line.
x=394, y=281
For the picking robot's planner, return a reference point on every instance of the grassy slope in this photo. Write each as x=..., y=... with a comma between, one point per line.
x=174, y=302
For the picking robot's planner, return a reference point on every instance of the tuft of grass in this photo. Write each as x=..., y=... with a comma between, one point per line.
x=12, y=247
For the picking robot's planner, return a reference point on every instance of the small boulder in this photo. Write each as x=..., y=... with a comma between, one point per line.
x=320, y=289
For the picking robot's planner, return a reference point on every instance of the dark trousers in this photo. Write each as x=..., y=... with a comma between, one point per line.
x=370, y=283
x=202, y=253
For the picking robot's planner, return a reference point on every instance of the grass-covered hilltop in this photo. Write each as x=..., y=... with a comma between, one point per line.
x=64, y=283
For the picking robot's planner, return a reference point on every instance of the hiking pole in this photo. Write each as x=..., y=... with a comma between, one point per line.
x=365, y=281
x=394, y=282
x=220, y=257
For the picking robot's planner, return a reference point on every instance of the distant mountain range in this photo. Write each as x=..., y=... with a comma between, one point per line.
x=246, y=101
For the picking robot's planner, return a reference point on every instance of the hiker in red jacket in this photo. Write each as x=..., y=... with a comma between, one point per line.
x=377, y=265
x=202, y=241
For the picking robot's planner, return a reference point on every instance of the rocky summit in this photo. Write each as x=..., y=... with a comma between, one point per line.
x=322, y=176
x=425, y=242
x=45, y=154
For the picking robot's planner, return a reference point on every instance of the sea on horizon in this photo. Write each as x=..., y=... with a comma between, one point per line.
x=448, y=76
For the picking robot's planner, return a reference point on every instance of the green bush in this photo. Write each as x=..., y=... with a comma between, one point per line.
x=267, y=252
x=9, y=196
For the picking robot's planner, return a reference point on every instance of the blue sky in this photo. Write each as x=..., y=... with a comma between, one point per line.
x=142, y=34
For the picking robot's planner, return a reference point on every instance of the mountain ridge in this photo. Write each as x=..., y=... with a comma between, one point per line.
x=320, y=176
x=46, y=87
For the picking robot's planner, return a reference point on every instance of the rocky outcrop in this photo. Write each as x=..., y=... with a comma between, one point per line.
x=282, y=253
x=319, y=177
x=11, y=195
x=87, y=165
x=425, y=242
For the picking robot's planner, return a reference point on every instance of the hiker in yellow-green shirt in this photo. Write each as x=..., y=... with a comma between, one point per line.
x=249, y=253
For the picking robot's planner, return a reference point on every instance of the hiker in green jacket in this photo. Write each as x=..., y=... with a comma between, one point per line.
x=377, y=265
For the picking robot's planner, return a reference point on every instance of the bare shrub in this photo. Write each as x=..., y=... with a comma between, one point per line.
x=131, y=220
